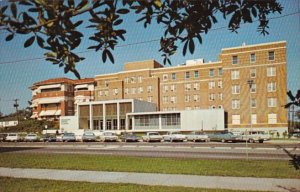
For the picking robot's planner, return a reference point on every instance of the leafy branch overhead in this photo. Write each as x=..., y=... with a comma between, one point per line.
x=53, y=24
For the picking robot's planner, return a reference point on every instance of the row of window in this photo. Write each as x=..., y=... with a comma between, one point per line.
x=271, y=71
x=196, y=74
x=272, y=119
x=190, y=108
x=271, y=87
x=235, y=103
x=271, y=57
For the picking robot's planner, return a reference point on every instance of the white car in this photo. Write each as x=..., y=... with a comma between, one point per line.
x=197, y=136
x=174, y=136
x=108, y=136
x=13, y=137
x=31, y=137
x=255, y=136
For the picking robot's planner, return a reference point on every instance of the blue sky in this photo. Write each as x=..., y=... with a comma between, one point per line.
x=16, y=76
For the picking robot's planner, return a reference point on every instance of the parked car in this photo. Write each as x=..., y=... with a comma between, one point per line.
x=3, y=137
x=152, y=136
x=255, y=136
x=48, y=138
x=13, y=137
x=224, y=137
x=197, y=136
x=31, y=137
x=108, y=136
x=88, y=136
x=67, y=137
x=129, y=137
x=174, y=136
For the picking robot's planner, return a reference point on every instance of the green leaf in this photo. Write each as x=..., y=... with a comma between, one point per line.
x=123, y=11
x=40, y=41
x=118, y=22
x=33, y=10
x=78, y=23
x=3, y=9
x=29, y=41
x=104, y=57
x=24, y=2
x=110, y=56
x=191, y=46
x=14, y=10
x=254, y=13
x=82, y=4
x=9, y=37
x=185, y=48
x=71, y=3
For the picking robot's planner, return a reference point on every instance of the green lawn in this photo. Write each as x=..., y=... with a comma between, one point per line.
x=24, y=185
x=238, y=168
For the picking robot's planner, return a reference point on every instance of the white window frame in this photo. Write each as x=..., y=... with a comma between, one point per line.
x=196, y=86
x=251, y=59
x=253, y=88
x=187, y=98
x=187, y=87
x=254, y=119
x=253, y=71
x=165, y=99
x=211, y=85
x=187, y=75
x=165, y=88
x=271, y=87
x=220, y=96
x=271, y=71
x=235, y=104
x=211, y=73
x=220, y=71
x=150, y=99
x=141, y=89
x=196, y=74
x=235, y=74
x=149, y=89
x=235, y=60
x=272, y=102
x=269, y=56
x=253, y=103
x=235, y=89
x=173, y=88
x=173, y=76
x=220, y=84
x=272, y=118
x=211, y=96
x=165, y=77
x=236, y=119
x=173, y=99
x=197, y=98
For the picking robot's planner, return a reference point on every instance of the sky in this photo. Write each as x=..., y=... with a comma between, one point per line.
x=20, y=67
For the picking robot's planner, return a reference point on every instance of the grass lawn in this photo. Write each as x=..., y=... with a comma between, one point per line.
x=238, y=168
x=24, y=185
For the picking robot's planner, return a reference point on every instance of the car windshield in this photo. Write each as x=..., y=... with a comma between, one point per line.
x=153, y=134
x=31, y=135
x=69, y=134
x=176, y=133
x=89, y=134
x=12, y=134
x=109, y=134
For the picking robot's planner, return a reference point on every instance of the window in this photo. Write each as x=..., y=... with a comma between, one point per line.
x=211, y=97
x=115, y=91
x=165, y=77
x=106, y=93
x=126, y=80
x=253, y=103
x=220, y=71
x=220, y=96
x=106, y=83
x=196, y=98
x=211, y=73
x=271, y=55
x=187, y=87
x=139, y=79
x=252, y=73
x=253, y=88
x=272, y=118
x=149, y=99
x=272, y=87
x=235, y=60
x=187, y=75
x=173, y=88
x=196, y=74
x=196, y=86
x=211, y=84
x=235, y=74
x=165, y=99
x=252, y=58
x=165, y=88
x=220, y=84
x=235, y=119
x=149, y=88
x=173, y=76
x=187, y=98
x=133, y=90
x=271, y=102
x=126, y=91
x=271, y=71
x=173, y=99
x=100, y=93
x=254, y=118
x=235, y=89
x=133, y=79
x=235, y=104
x=141, y=89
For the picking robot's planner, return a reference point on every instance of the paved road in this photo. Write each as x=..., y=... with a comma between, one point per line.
x=215, y=182
x=176, y=150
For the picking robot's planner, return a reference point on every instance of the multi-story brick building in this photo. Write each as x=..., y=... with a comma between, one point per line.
x=53, y=98
x=221, y=84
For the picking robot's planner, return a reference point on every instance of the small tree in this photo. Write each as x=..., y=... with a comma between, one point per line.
x=294, y=101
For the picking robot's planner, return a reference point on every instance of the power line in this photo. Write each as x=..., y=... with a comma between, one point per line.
x=144, y=42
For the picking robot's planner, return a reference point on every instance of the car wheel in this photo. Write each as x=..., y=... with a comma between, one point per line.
x=223, y=141
x=261, y=141
x=251, y=141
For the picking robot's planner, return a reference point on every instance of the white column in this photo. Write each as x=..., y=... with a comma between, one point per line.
x=91, y=117
x=118, y=115
x=159, y=122
x=104, y=117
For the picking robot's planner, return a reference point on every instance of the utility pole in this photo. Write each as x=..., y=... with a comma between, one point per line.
x=16, y=105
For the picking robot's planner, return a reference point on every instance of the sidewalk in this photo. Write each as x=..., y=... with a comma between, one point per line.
x=215, y=182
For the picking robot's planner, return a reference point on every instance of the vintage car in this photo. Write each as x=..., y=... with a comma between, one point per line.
x=68, y=137
x=152, y=136
x=255, y=136
x=129, y=137
x=224, y=137
x=31, y=137
x=174, y=136
x=13, y=137
x=197, y=136
x=88, y=136
x=108, y=136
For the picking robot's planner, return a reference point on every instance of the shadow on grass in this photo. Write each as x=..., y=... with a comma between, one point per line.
x=288, y=189
x=15, y=149
x=295, y=159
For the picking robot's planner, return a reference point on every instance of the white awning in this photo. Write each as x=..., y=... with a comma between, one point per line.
x=34, y=115
x=50, y=86
x=49, y=100
x=34, y=105
x=58, y=112
x=81, y=86
x=48, y=113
